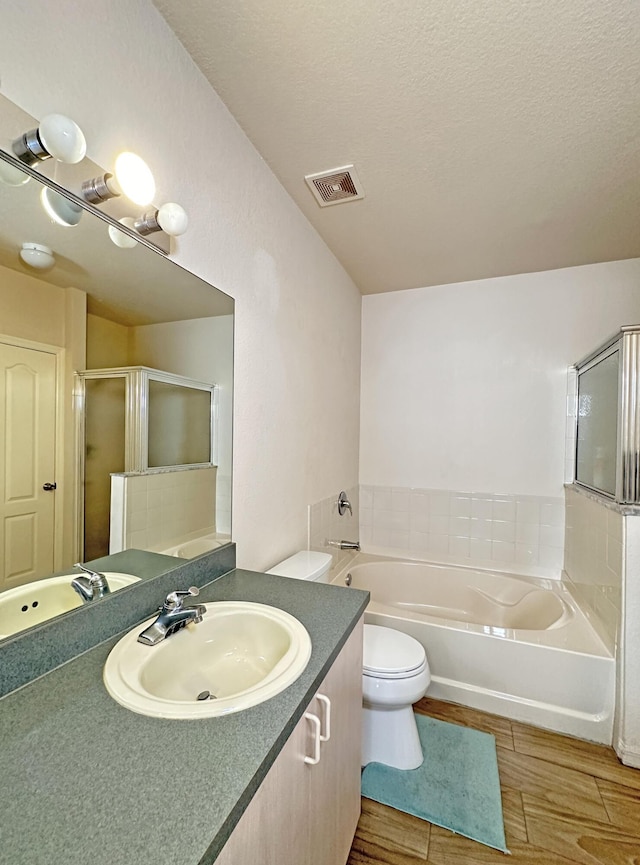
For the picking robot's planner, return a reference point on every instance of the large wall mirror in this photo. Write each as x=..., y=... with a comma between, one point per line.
x=102, y=351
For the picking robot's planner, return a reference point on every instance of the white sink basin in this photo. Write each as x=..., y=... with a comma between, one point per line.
x=36, y=602
x=240, y=653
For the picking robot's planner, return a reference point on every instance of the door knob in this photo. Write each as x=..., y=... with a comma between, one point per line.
x=48, y=487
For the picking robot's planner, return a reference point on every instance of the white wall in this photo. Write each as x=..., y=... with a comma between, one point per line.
x=297, y=312
x=464, y=386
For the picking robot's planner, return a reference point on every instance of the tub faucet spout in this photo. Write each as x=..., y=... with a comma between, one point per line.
x=345, y=545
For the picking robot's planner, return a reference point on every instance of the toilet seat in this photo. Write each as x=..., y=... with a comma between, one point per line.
x=390, y=654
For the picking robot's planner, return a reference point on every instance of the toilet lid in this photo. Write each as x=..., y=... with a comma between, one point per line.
x=387, y=652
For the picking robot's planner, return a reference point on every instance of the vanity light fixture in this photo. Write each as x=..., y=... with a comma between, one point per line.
x=37, y=255
x=60, y=209
x=170, y=218
x=57, y=136
x=124, y=241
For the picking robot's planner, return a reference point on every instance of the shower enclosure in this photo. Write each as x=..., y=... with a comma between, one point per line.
x=608, y=418
x=137, y=420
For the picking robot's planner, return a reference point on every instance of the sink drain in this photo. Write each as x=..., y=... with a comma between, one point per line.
x=206, y=695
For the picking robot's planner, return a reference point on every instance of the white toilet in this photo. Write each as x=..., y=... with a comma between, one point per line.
x=395, y=675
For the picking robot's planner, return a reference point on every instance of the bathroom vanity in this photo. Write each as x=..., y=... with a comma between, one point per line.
x=85, y=779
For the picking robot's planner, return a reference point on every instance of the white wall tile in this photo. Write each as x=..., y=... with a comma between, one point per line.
x=419, y=502
x=460, y=526
x=482, y=508
x=504, y=509
x=420, y=522
x=481, y=529
x=400, y=500
x=460, y=506
x=480, y=549
x=504, y=531
x=426, y=521
x=459, y=547
x=382, y=499
x=439, y=503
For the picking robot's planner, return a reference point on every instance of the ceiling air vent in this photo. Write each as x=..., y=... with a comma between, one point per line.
x=336, y=186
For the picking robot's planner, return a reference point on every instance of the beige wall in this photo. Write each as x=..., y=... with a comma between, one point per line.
x=37, y=311
x=297, y=312
x=107, y=343
x=31, y=309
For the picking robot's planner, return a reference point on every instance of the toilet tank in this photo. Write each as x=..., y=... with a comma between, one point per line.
x=305, y=565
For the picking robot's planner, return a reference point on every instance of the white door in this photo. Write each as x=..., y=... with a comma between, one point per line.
x=27, y=436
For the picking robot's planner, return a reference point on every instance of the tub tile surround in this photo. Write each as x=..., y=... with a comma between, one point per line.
x=155, y=510
x=594, y=560
x=490, y=530
x=325, y=523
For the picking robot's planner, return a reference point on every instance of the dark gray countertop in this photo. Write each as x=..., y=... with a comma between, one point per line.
x=86, y=781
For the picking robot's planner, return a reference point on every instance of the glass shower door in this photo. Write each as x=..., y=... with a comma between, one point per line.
x=105, y=414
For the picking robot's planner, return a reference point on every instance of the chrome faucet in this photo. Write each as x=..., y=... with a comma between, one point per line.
x=345, y=545
x=173, y=616
x=344, y=504
x=91, y=585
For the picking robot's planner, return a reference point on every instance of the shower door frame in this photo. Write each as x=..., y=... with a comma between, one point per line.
x=627, y=343
x=137, y=380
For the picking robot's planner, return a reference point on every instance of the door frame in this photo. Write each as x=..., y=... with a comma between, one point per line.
x=58, y=448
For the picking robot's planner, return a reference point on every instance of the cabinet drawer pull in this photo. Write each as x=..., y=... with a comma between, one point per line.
x=326, y=702
x=315, y=723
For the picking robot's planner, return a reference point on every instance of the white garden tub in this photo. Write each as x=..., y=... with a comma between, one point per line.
x=507, y=644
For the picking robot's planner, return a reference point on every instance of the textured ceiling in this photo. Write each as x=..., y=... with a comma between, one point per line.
x=491, y=138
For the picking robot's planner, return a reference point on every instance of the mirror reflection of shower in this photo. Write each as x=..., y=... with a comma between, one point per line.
x=147, y=459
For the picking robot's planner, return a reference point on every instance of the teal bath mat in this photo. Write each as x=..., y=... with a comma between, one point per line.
x=457, y=787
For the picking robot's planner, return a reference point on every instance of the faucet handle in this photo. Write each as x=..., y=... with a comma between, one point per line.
x=174, y=599
x=95, y=577
x=344, y=504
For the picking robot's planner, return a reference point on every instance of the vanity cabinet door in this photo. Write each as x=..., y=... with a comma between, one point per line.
x=302, y=813
x=334, y=783
x=274, y=830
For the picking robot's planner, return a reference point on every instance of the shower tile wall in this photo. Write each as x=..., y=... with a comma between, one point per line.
x=520, y=533
x=594, y=560
x=162, y=508
x=325, y=523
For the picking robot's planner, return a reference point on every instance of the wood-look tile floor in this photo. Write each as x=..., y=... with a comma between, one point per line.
x=565, y=801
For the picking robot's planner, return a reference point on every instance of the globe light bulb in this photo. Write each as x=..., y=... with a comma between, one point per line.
x=172, y=219
x=124, y=241
x=135, y=178
x=59, y=208
x=62, y=138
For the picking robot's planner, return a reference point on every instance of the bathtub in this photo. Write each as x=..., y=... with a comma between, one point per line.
x=515, y=646
x=189, y=549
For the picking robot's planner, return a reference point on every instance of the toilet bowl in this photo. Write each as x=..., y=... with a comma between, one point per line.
x=395, y=675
